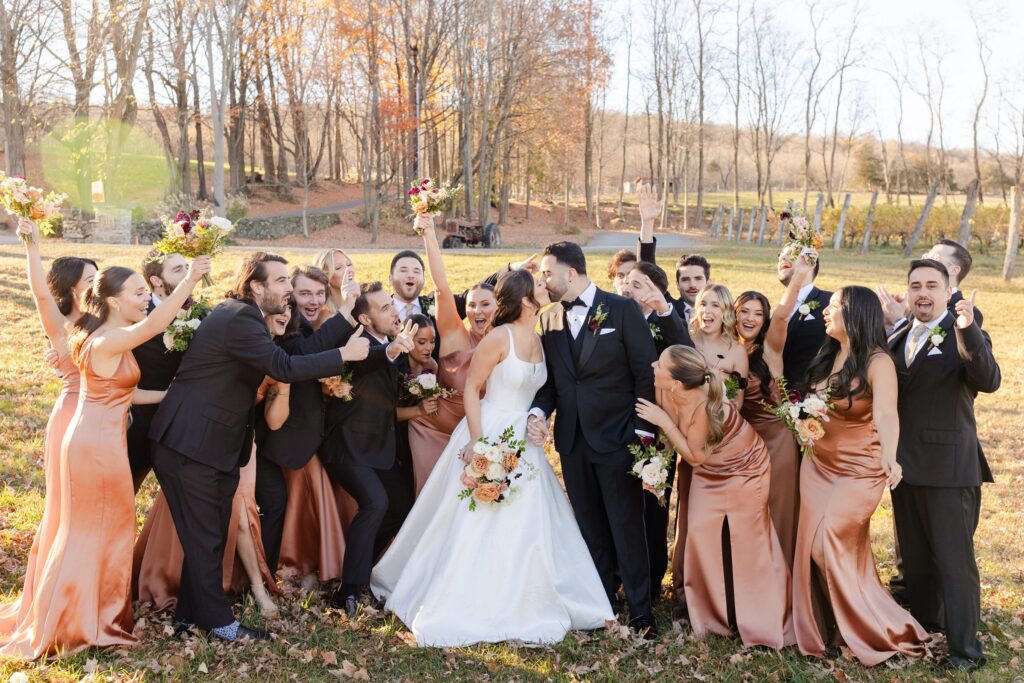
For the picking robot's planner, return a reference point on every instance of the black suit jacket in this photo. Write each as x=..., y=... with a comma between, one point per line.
x=938, y=434
x=362, y=431
x=599, y=393
x=804, y=338
x=208, y=412
x=298, y=438
x=671, y=330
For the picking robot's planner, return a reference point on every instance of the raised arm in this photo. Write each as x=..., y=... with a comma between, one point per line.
x=448, y=320
x=975, y=348
x=650, y=208
x=778, y=326
x=124, y=339
x=252, y=345
x=50, y=316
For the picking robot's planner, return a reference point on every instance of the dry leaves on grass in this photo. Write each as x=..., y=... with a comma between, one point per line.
x=350, y=671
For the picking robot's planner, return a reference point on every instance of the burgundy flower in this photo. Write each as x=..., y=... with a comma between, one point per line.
x=188, y=303
x=741, y=381
x=414, y=191
x=185, y=220
x=646, y=441
x=594, y=325
x=785, y=215
x=424, y=181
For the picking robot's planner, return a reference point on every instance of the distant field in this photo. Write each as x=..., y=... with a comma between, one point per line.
x=314, y=643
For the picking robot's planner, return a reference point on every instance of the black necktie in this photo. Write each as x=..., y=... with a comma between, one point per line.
x=569, y=305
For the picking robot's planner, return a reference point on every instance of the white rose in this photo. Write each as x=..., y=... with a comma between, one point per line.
x=168, y=341
x=480, y=448
x=653, y=474
x=427, y=380
x=468, y=471
x=415, y=390
x=432, y=311
x=194, y=323
x=805, y=309
x=180, y=315
x=936, y=339
x=495, y=472
x=178, y=229
x=494, y=454
x=638, y=467
x=794, y=411
x=222, y=224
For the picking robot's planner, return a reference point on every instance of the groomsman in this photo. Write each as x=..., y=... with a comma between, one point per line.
x=203, y=431
x=359, y=451
x=693, y=273
x=157, y=365
x=942, y=360
x=407, y=281
x=599, y=354
x=806, y=332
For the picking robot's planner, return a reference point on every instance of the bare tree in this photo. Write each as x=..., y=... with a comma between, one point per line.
x=625, y=117
x=984, y=54
x=704, y=14
x=847, y=60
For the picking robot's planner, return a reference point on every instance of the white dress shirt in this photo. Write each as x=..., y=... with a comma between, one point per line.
x=578, y=314
x=924, y=342
x=407, y=309
x=801, y=297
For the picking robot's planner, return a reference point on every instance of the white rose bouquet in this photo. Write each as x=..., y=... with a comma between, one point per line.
x=804, y=416
x=802, y=236
x=195, y=233
x=430, y=200
x=492, y=469
x=179, y=333
x=651, y=460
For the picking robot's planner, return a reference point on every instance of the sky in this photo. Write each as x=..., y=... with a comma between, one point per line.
x=885, y=26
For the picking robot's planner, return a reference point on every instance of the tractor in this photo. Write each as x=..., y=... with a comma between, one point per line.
x=460, y=232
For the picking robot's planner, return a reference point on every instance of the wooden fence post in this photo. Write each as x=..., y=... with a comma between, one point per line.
x=919, y=228
x=1012, y=234
x=728, y=235
x=763, y=222
x=837, y=244
x=750, y=229
x=869, y=223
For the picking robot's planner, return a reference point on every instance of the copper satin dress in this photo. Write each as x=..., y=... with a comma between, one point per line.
x=156, y=571
x=82, y=598
x=16, y=617
x=840, y=487
x=733, y=485
x=315, y=520
x=429, y=435
x=783, y=494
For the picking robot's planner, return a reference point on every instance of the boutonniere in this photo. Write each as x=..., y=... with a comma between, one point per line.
x=655, y=331
x=600, y=315
x=429, y=305
x=805, y=309
x=936, y=337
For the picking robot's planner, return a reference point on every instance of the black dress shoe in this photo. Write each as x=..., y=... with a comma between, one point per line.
x=644, y=627
x=252, y=633
x=181, y=627
x=349, y=603
x=957, y=664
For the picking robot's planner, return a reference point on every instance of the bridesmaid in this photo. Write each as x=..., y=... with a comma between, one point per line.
x=58, y=296
x=342, y=290
x=84, y=598
x=429, y=434
x=836, y=589
x=763, y=335
x=713, y=329
x=158, y=553
x=734, y=569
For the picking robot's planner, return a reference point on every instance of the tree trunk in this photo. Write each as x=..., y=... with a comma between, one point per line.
x=817, y=212
x=762, y=223
x=964, y=236
x=919, y=228
x=197, y=117
x=1012, y=234
x=732, y=216
x=869, y=223
x=837, y=244
x=266, y=136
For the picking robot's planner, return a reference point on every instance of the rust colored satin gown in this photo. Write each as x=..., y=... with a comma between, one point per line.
x=315, y=520
x=840, y=487
x=732, y=485
x=17, y=616
x=83, y=596
x=429, y=435
x=156, y=570
x=783, y=494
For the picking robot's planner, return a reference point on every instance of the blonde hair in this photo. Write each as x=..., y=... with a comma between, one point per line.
x=324, y=260
x=689, y=367
x=728, y=314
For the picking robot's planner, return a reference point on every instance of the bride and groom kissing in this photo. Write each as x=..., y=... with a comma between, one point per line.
x=536, y=567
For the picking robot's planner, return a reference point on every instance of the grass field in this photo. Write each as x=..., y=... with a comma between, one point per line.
x=316, y=644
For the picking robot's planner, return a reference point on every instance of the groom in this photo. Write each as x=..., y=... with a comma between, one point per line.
x=599, y=353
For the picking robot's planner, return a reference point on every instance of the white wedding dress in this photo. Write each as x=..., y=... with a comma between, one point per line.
x=519, y=570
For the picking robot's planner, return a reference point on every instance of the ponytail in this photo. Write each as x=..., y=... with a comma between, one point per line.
x=95, y=310
x=688, y=366
x=715, y=407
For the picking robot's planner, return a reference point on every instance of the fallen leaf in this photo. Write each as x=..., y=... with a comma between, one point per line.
x=90, y=666
x=330, y=659
x=202, y=668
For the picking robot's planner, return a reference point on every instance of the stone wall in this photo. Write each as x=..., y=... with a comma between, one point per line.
x=148, y=232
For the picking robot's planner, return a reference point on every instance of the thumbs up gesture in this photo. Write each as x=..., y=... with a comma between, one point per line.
x=357, y=348
x=965, y=311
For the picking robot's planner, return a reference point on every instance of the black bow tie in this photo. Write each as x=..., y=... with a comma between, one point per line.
x=569, y=305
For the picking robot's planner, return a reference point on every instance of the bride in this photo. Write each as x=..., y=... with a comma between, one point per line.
x=514, y=570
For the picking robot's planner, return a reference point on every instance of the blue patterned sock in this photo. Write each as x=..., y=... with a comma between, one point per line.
x=228, y=633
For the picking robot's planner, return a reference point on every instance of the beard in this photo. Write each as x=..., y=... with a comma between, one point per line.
x=271, y=305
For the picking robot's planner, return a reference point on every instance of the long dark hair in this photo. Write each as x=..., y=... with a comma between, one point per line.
x=64, y=274
x=758, y=366
x=95, y=311
x=251, y=269
x=865, y=329
x=513, y=287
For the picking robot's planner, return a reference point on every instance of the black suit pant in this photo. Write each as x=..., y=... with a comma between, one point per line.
x=140, y=456
x=935, y=527
x=272, y=499
x=656, y=526
x=364, y=484
x=199, y=497
x=608, y=503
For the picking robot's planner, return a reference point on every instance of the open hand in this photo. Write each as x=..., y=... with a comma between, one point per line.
x=651, y=412
x=893, y=307
x=404, y=340
x=357, y=347
x=965, y=311
x=648, y=203
x=198, y=268
x=537, y=430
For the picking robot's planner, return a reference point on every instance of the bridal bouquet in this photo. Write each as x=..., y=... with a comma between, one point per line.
x=804, y=417
x=21, y=199
x=339, y=386
x=801, y=235
x=425, y=385
x=178, y=334
x=493, y=467
x=430, y=200
x=195, y=233
x=651, y=460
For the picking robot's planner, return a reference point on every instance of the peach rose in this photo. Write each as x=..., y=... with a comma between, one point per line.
x=815, y=429
x=809, y=430
x=480, y=463
x=487, y=493
x=511, y=461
